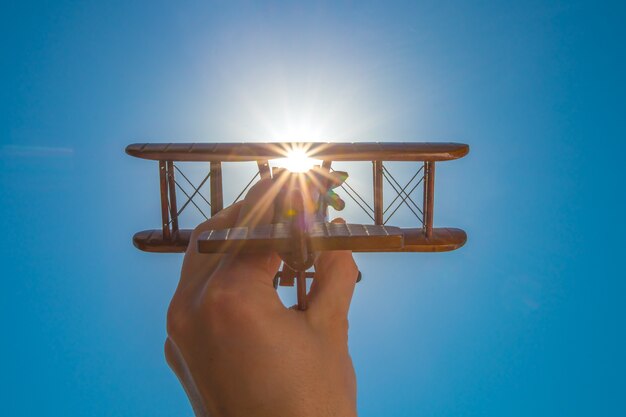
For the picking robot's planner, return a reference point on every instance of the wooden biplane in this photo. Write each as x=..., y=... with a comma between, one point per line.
x=299, y=237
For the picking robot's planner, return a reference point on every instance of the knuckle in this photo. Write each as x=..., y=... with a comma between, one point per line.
x=223, y=304
x=177, y=319
x=219, y=307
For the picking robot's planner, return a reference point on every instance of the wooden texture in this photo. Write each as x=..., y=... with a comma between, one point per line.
x=301, y=281
x=217, y=196
x=358, y=151
x=429, y=197
x=264, y=169
x=171, y=185
x=358, y=238
x=280, y=237
x=414, y=240
x=165, y=220
x=287, y=276
x=152, y=241
x=378, y=191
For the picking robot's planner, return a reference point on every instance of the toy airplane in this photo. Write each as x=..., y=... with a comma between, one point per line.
x=301, y=229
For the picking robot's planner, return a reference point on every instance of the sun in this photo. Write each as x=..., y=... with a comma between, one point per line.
x=297, y=160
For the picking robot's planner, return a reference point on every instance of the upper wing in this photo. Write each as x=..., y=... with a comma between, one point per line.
x=357, y=151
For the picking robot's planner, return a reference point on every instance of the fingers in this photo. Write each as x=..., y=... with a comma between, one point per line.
x=335, y=277
x=325, y=181
x=258, y=205
x=257, y=209
x=222, y=220
x=333, y=286
x=328, y=179
x=199, y=266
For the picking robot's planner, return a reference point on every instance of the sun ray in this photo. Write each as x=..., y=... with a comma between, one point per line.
x=296, y=160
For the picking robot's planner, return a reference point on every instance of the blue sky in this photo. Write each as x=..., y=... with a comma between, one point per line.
x=526, y=319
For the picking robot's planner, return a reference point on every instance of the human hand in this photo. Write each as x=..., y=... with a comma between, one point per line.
x=238, y=351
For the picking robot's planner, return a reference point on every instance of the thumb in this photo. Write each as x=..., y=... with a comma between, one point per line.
x=333, y=285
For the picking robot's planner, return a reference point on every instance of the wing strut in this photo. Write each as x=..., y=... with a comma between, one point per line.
x=165, y=219
x=429, y=197
x=378, y=192
x=171, y=184
x=217, y=197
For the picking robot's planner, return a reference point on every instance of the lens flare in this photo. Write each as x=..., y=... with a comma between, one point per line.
x=297, y=160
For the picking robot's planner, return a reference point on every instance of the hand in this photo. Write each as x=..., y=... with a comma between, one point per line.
x=238, y=351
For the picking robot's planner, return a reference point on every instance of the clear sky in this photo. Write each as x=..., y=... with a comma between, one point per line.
x=527, y=319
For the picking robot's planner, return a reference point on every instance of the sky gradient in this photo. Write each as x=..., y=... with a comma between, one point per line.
x=527, y=319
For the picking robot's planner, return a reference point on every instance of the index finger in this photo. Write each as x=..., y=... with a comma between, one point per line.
x=199, y=266
x=257, y=209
